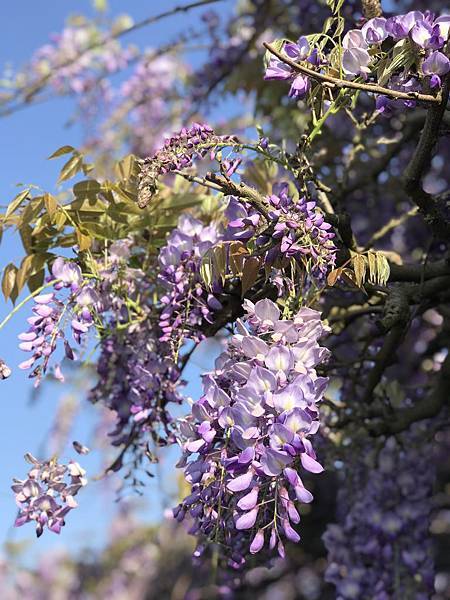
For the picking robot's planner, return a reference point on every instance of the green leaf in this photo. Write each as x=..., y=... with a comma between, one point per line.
x=51, y=204
x=127, y=168
x=61, y=151
x=71, y=168
x=9, y=281
x=84, y=241
x=14, y=205
x=250, y=272
x=89, y=188
x=36, y=281
x=359, y=264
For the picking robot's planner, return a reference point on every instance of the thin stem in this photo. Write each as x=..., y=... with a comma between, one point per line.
x=27, y=299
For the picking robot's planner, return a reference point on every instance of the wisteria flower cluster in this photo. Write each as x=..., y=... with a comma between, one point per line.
x=47, y=495
x=74, y=59
x=137, y=376
x=419, y=37
x=421, y=33
x=299, y=231
x=248, y=436
x=137, y=380
x=380, y=546
x=51, y=313
x=179, y=151
x=279, y=71
x=186, y=303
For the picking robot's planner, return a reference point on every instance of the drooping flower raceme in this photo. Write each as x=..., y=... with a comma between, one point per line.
x=46, y=496
x=137, y=380
x=186, y=303
x=137, y=376
x=248, y=437
x=51, y=313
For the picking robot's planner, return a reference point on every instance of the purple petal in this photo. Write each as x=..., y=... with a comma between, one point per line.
x=310, y=464
x=241, y=483
x=258, y=542
x=250, y=500
x=247, y=519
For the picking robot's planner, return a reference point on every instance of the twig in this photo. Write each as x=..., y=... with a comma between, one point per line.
x=392, y=224
x=104, y=40
x=383, y=360
x=335, y=82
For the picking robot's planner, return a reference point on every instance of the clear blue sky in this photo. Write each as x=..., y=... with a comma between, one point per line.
x=26, y=139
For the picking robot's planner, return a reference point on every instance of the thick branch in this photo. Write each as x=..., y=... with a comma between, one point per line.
x=335, y=82
x=371, y=8
x=428, y=407
x=429, y=206
x=418, y=273
x=383, y=360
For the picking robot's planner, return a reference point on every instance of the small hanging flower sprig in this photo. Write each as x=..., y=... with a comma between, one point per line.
x=299, y=231
x=50, y=314
x=186, y=305
x=249, y=436
x=46, y=496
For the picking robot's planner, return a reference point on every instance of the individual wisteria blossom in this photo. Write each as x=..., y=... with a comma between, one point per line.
x=5, y=371
x=52, y=312
x=46, y=496
x=380, y=546
x=186, y=305
x=355, y=58
x=248, y=438
x=179, y=151
x=278, y=70
x=300, y=231
x=436, y=65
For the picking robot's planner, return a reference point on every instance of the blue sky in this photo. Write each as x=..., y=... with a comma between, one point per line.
x=27, y=138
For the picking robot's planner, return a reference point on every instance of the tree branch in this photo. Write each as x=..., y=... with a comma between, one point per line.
x=428, y=407
x=420, y=162
x=371, y=8
x=38, y=86
x=335, y=82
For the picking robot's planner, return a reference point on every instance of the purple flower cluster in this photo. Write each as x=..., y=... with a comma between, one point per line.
x=74, y=63
x=380, y=547
x=137, y=380
x=278, y=70
x=51, y=313
x=186, y=303
x=299, y=231
x=147, y=92
x=422, y=30
x=179, y=151
x=427, y=32
x=47, y=495
x=426, y=35
x=249, y=434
